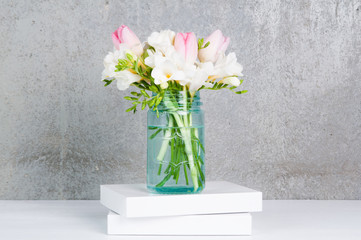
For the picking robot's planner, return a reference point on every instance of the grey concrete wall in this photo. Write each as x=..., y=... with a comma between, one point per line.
x=296, y=133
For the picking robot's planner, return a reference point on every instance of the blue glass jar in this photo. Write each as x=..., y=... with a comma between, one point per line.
x=175, y=145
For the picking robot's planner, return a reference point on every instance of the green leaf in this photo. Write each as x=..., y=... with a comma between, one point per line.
x=151, y=102
x=200, y=43
x=153, y=88
x=144, y=104
x=166, y=178
x=131, y=98
x=135, y=94
x=240, y=92
x=201, y=145
x=155, y=134
x=131, y=108
x=139, y=85
x=140, y=70
x=215, y=86
x=122, y=65
x=207, y=44
x=145, y=54
x=135, y=66
x=129, y=56
x=107, y=82
x=158, y=101
x=144, y=83
x=185, y=173
x=145, y=94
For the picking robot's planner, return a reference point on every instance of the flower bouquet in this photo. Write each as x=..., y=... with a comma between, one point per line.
x=169, y=70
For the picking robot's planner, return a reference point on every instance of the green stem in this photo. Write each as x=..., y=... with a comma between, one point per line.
x=167, y=137
x=186, y=135
x=180, y=148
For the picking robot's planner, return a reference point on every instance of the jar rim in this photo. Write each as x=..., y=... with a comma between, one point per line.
x=196, y=94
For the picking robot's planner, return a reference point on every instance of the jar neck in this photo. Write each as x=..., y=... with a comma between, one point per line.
x=180, y=100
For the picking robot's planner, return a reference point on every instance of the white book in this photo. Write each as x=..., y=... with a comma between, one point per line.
x=133, y=200
x=234, y=224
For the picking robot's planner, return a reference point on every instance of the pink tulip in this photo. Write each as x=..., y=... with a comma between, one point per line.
x=126, y=36
x=186, y=45
x=217, y=45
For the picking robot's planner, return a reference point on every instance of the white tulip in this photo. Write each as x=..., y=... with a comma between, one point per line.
x=228, y=66
x=217, y=46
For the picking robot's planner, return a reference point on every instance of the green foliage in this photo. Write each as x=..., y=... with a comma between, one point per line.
x=219, y=86
x=107, y=82
x=200, y=44
x=241, y=92
x=207, y=44
x=155, y=134
x=144, y=93
x=143, y=99
x=122, y=65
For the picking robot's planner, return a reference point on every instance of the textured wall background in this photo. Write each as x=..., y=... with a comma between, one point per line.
x=295, y=134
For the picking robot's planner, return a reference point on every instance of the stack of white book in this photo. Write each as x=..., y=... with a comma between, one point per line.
x=222, y=208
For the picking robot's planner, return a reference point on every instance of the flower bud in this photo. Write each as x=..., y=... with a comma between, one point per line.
x=217, y=45
x=186, y=45
x=126, y=36
x=233, y=81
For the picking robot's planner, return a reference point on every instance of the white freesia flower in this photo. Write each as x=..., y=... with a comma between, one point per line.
x=162, y=41
x=177, y=59
x=125, y=79
x=233, y=81
x=199, y=79
x=207, y=67
x=196, y=77
x=154, y=58
x=171, y=67
x=228, y=66
x=165, y=71
x=189, y=72
x=111, y=60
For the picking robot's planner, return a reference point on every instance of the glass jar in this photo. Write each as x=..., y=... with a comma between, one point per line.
x=175, y=145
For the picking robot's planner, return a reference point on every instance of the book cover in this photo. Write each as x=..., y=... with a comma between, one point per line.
x=133, y=200
x=206, y=224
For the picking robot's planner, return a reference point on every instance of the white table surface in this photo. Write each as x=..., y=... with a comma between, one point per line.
x=306, y=220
